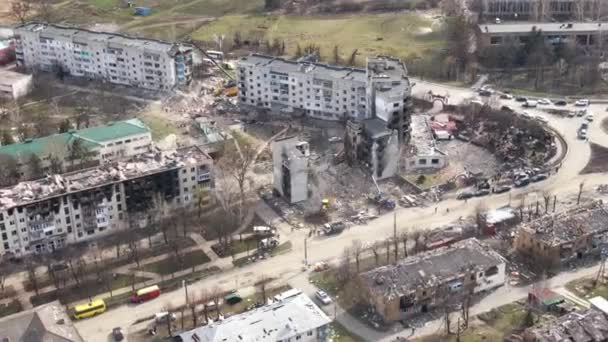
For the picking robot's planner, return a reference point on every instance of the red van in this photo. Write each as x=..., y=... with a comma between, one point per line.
x=145, y=294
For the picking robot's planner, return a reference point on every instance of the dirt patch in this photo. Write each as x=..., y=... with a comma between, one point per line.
x=598, y=161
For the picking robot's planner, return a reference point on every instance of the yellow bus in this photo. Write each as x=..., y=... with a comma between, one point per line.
x=92, y=308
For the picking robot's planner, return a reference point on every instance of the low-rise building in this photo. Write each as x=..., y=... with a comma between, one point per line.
x=536, y=9
x=49, y=213
x=45, y=323
x=422, y=152
x=295, y=318
x=290, y=168
x=419, y=283
x=112, y=57
x=14, y=85
x=553, y=240
x=103, y=144
x=518, y=33
x=580, y=326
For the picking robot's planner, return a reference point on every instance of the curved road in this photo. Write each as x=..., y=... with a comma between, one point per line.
x=288, y=266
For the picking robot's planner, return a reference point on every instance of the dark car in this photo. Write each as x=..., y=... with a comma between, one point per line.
x=482, y=192
x=501, y=189
x=560, y=102
x=117, y=334
x=539, y=177
x=507, y=109
x=522, y=182
x=464, y=195
x=521, y=99
x=485, y=93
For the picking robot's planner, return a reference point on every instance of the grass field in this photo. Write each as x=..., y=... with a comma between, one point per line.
x=170, y=265
x=399, y=34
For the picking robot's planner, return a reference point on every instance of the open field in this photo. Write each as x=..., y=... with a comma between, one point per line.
x=400, y=34
x=584, y=288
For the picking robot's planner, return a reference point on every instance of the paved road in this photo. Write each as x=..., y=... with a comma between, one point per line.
x=288, y=266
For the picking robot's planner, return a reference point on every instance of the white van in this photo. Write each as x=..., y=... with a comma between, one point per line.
x=531, y=104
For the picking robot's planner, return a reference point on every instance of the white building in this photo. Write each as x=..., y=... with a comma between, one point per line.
x=49, y=213
x=295, y=318
x=290, y=168
x=328, y=92
x=422, y=152
x=14, y=85
x=104, y=144
x=116, y=58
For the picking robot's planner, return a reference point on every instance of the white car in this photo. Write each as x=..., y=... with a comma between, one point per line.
x=582, y=103
x=582, y=134
x=589, y=117
x=545, y=102
x=323, y=297
x=541, y=119
x=526, y=115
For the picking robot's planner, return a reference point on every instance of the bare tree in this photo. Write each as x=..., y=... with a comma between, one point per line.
x=30, y=267
x=170, y=310
x=134, y=249
x=580, y=192
x=416, y=238
x=262, y=283
x=357, y=249
x=204, y=299
x=405, y=236
x=344, y=268
x=387, y=245
x=20, y=9
x=375, y=247
x=480, y=218
x=352, y=60
x=201, y=197
x=192, y=306
x=547, y=198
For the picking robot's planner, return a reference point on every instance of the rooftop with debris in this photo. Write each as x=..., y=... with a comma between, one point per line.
x=320, y=70
x=431, y=268
x=113, y=40
x=422, y=141
x=279, y=321
x=59, y=185
x=48, y=322
x=90, y=137
x=566, y=226
x=579, y=326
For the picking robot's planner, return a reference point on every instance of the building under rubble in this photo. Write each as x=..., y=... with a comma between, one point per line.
x=419, y=283
x=47, y=214
x=102, y=144
x=422, y=152
x=290, y=168
x=583, y=325
x=553, y=240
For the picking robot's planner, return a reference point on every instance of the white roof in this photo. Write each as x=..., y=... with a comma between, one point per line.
x=281, y=320
x=524, y=27
x=599, y=303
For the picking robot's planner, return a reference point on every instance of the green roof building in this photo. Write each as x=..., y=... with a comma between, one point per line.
x=106, y=143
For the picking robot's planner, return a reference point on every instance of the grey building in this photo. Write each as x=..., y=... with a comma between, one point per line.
x=328, y=92
x=295, y=318
x=578, y=33
x=50, y=213
x=537, y=9
x=113, y=57
x=290, y=168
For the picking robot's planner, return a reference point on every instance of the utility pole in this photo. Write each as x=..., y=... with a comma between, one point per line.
x=185, y=289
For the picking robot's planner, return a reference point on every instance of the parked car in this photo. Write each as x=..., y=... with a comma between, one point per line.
x=582, y=103
x=541, y=119
x=485, y=92
x=560, y=102
x=521, y=99
x=162, y=317
x=584, y=125
x=589, y=117
x=117, y=334
x=482, y=192
x=530, y=104
x=522, y=182
x=464, y=195
x=506, y=96
x=501, y=189
x=526, y=115
x=582, y=134
x=581, y=113
x=539, y=177
x=571, y=114
x=323, y=297
x=507, y=109
x=544, y=102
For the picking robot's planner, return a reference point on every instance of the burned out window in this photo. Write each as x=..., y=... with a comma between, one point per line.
x=492, y=271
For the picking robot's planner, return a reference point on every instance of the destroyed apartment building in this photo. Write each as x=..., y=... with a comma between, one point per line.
x=583, y=325
x=290, y=158
x=554, y=240
x=112, y=57
x=49, y=213
x=102, y=144
x=292, y=317
x=419, y=283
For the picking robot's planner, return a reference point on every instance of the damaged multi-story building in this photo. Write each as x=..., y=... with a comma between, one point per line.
x=112, y=57
x=290, y=158
x=419, y=283
x=371, y=144
x=554, y=240
x=49, y=213
x=101, y=144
